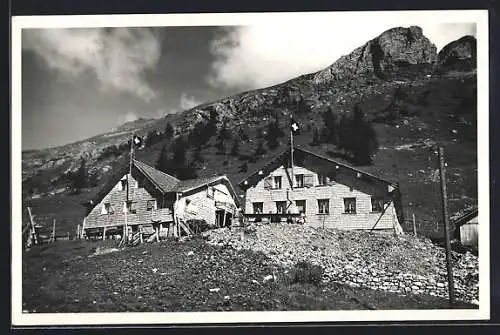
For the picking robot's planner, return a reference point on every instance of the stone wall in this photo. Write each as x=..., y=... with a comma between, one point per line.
x=402, y=264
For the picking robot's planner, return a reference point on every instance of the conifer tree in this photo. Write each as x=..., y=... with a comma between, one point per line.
x=163, y=161
x=223, y=133
x=243, y=135
x=364, y=139
x=244, y=167
x=316, y=138
x=273, y=133
x=235, y=149
x=345, y=134
x=259, y=151
x=197, y=156
x=331, y=130
x=80, y=178
x=179, y=151
x=169, y=131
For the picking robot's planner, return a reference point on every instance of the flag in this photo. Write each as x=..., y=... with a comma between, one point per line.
x=294, y=126
x=137, y=141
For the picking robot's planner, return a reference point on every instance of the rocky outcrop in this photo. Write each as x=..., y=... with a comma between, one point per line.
x=459, y=54
x=393, y=49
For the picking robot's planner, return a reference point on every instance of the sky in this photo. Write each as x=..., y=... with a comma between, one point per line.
x=80, y=82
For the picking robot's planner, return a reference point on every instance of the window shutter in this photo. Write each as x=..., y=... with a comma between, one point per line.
x=268, y=183
x=308, y=180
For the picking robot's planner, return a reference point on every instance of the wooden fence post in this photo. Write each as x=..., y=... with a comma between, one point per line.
x=414, y=225
x=444, y=198
x=34, y=238
x=53, y=237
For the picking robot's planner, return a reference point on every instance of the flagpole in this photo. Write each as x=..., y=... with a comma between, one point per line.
x=128, y=184
x=291, y=153
x=130, y=162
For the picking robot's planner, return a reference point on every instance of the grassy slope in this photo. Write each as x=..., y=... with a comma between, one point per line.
x=63, y=278
x=437, y=108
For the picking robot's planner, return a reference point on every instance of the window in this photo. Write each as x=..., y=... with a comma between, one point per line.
x=106, y=209
x=277, y=182
x=350, y=205
x=258, y=207
x=129, y=207
x=150, y=205
x=299, y=180
x=210, y=192
x=281, y=207
x=323, y=206
x=300, y=205
x=322, y=179
x=268, y=183
x=123, y=184
x=377, y=204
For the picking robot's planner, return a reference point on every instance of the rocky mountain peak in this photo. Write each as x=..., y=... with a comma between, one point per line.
x=395, y=48
x=459, y=54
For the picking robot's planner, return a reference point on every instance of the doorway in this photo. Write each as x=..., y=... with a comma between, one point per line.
x=222, y=218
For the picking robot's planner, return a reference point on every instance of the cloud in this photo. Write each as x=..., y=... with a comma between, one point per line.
x=188, y=102
x=118, y=57
x=130, y=116
x=261, y=55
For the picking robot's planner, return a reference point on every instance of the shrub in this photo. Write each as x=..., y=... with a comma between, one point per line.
x=197, y=226
x=306, y=273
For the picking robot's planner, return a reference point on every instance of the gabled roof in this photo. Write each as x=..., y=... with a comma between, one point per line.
x=465, y=217
x=164, y=181
x=193, y=184
x=284, y=157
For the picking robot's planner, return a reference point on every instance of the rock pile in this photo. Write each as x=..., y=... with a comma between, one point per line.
x=400, y=264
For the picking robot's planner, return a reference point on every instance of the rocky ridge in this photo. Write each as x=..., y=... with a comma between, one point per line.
x=400, y=264
x=397, y=47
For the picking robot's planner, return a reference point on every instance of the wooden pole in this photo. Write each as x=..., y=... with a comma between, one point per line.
x=444, y=198
x=224, y=219
x=82, y=232
x=53, y=238
x=414, y=225
x=33, y=229
x=291, y=157
x=104, y=233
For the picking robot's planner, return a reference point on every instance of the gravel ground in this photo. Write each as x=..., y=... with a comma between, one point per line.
x=82, y=276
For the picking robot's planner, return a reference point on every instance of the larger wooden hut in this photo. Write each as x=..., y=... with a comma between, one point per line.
x=142, y=197
x=319, y=191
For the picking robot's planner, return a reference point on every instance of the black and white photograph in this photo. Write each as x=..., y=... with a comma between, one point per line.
x=260, y=167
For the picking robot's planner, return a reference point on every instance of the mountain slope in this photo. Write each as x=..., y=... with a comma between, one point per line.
x=398, y=79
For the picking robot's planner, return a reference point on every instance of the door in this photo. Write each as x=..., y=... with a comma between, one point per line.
x=219, y=218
